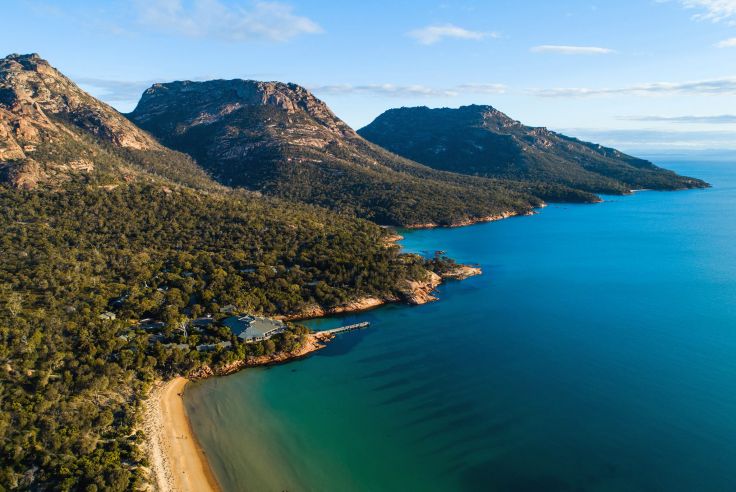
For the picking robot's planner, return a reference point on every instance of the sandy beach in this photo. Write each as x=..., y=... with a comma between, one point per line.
x=176, y=460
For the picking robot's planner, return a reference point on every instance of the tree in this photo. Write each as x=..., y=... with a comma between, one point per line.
x=14, y=303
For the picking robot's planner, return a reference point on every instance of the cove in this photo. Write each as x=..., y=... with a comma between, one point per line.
x=597, y=352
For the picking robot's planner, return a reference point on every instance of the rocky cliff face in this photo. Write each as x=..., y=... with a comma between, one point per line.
x=481, y=140
x=280, y=139
x=31, y=90
x=210, y=102
x=51, y=130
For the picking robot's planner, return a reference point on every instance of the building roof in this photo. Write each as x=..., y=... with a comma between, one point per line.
x=205, y=321
x=252, y=327
x=206, y=347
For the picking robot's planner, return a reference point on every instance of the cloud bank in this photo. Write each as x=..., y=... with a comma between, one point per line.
x=113, y=91
x=727, y=43
x=715, y=87
x=655, y=139
x=436, y=33
x=417, y=90
x=713, y=10
x=263, y=20
x=721, y=119
x=571, y=50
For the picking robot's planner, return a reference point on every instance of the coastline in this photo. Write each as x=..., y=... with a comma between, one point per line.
x=315, y=341
x=475, y=220
x=414, y=293
x=177, y=462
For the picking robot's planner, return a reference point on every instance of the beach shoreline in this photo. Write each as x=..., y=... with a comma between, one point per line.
x=176, y=460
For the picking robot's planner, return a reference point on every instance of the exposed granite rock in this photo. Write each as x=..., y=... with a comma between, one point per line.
x=313, y=342
x=32, y=90
x=461, y=272
x=52, y=131
x=210, y=102
x=281, y=140
x=361, y=304
x=25, y=174
x=474, y=220
x=421, y=291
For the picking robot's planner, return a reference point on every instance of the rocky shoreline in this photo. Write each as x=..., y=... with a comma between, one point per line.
x=473, y=220
x=314, y=342
x=177, y=461
x=414, y=293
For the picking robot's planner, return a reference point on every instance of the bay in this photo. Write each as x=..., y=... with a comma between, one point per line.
x=597, y=352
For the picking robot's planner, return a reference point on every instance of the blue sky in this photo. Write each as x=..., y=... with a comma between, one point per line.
x=646, y=75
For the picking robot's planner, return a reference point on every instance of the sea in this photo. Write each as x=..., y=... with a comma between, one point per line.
x=597, y=352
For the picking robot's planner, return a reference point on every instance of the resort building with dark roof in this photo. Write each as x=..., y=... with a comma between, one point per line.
x=254, y=328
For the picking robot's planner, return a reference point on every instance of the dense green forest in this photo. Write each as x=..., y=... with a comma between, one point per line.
x=71, y=382
x=104, y=227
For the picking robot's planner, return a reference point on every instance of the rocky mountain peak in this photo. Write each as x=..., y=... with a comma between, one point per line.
x=211, y=101
x=44, y=114
x=32, y=91
x=481, y=140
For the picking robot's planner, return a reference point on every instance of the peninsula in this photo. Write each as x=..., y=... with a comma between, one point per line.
x=122, y=231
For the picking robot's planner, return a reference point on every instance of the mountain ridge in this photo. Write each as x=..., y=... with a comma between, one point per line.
x=280, y=139
x=481, y=140
x=52, y=131
x=103, y=227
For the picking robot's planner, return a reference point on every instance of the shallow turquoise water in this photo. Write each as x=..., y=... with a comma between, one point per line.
x=596, y=353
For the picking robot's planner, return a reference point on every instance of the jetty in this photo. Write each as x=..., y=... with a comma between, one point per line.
x=343, y=329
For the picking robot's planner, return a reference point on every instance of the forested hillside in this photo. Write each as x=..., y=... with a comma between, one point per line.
x=281, y=140
x=482, y=141
x=102, y=227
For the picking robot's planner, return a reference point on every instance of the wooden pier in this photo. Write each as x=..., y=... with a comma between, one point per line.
x=343, y=329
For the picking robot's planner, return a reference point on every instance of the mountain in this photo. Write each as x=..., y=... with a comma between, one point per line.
x=281, y=140
x=102, y=226
x=482, y=141
x=51, y=131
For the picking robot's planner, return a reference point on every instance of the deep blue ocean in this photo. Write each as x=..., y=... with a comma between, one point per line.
x=597, y=352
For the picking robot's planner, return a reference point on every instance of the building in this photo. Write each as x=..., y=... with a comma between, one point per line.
x=198, y=325
x=149, y=324
x=229, y=309
x=178, y=346
x=254, y=328
x=204, y=322
x=208, y=347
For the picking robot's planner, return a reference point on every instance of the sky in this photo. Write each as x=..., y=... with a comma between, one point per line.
x=641, y=75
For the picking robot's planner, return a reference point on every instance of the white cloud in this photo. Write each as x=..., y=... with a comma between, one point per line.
x=724, y=86
x=113, y=91
x=271, y=21
x=713, y=10
x=727, y=43
x=571, y=50
x=641, y=139
x=417, y=90
x=433, y=34
x=720, y=119
x=383, y=90
x=481, y=88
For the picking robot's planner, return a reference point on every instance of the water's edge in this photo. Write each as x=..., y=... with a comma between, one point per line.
x=559, y=369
